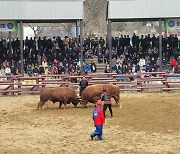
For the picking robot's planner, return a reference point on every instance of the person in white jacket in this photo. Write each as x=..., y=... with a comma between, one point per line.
x=142, y=63
x=7, y=71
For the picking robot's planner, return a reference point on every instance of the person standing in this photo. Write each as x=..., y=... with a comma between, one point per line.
x=107, y=102
x=8, y=72
x=83, y=84
x=99, y=120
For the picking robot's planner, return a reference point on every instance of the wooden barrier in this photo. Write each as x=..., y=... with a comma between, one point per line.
x=151, y=80
x=102, y=74
x=127, y=82
x=33, y=82
x=8, y=84
x=60, y=80
x=169, y=83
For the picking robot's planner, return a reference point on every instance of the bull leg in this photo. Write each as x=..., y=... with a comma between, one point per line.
x=60, y=104
x=40, y=104
x=95, y=99
x=116, y=98
x=84, y=104
x=65, y=104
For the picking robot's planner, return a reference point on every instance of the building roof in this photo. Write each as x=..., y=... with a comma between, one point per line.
x=128, y=10
x=41, y=10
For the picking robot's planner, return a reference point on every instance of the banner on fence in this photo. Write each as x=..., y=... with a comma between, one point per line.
x=172, y=24
x=10, y=26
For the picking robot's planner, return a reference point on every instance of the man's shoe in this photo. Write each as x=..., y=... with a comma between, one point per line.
x=91, y=137
x=100, y=139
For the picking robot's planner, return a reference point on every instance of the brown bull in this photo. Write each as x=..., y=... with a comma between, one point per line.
x=63, y=95
x=93, y=93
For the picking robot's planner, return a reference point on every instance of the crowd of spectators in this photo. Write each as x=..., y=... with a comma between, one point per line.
x=57, y=56
x=42, y=56
x=132, y=55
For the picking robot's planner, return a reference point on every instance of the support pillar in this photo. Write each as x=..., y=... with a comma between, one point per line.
x=21, y=47
x=160, y=46
x=81, y=45
x=10, y=42
x=109, y=39
x=165, y=33
x=77, y=33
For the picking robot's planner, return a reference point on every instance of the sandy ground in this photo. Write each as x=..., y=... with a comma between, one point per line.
x=147, y=123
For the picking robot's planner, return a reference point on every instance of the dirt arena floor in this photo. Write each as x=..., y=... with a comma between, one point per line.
x=147, y=123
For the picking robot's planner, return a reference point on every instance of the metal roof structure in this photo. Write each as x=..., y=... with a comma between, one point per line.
x=140, y=10
x=41, y=10
x=45, y=11
x=130, y=10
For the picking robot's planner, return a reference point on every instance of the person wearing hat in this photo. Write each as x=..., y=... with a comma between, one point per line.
x=99, y=120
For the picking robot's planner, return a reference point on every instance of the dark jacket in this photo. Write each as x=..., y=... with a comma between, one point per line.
x=106, y=98
x=83, y=84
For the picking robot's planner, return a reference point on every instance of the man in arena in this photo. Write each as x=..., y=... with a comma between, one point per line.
x=107, y=102
x=99, y=120
x=83, y=84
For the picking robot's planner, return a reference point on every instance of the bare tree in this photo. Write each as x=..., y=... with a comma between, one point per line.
x=95, y=17
x=37, y=30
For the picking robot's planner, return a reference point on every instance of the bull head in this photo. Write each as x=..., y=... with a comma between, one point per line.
x=78, y=100
x=83, y=104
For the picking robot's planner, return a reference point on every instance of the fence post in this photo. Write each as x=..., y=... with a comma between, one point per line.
x=165, y=78
x=12, y=85
x=139, y=81
x=19, y=84
x=37, y=82
x=43, y=80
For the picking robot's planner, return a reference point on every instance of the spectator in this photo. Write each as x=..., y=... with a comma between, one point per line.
x=19, y=66
x=117, y=68
x=60, y=68
x=13, y=70
x=107, y=69
x=142, y=63
x=29, y=71
x=173, y=63
x=101, y=42
x=44, y=64
x=2, y=71
x=73, y=73
x=87, y=68
x=93, y=67
x=54, y=70
x=35, y=70
x=41, y=69
x=7, y=71
x=83, y=84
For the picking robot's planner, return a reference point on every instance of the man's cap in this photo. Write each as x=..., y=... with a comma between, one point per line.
x=99, y=103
